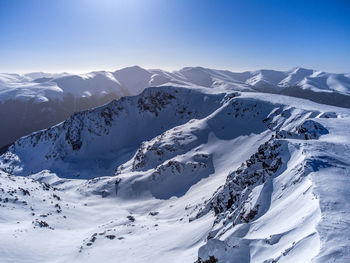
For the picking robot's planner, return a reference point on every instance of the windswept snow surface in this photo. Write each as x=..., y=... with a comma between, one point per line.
x=35, y=101
x=182, y=174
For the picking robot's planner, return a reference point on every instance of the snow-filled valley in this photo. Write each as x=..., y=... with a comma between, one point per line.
x=203, y=166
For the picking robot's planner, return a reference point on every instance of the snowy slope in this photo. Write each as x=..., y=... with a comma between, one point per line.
x=182, y=174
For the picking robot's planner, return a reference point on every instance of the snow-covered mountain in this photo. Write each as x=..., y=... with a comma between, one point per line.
x=200, y=168
x=35, y=101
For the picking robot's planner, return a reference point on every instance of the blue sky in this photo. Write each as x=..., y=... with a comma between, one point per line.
x=85, y=35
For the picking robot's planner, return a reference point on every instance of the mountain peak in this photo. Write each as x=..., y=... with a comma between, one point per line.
x=132, y=69
x=301, y=70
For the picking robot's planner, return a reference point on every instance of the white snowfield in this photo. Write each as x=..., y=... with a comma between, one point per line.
x=183, y=173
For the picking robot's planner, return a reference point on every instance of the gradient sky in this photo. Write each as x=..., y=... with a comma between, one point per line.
x=85, y=35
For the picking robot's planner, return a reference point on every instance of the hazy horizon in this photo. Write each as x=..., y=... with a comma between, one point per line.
x=167, y=70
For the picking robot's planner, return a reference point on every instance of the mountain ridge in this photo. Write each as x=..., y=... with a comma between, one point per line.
x=238, y=175
x=39, y=100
